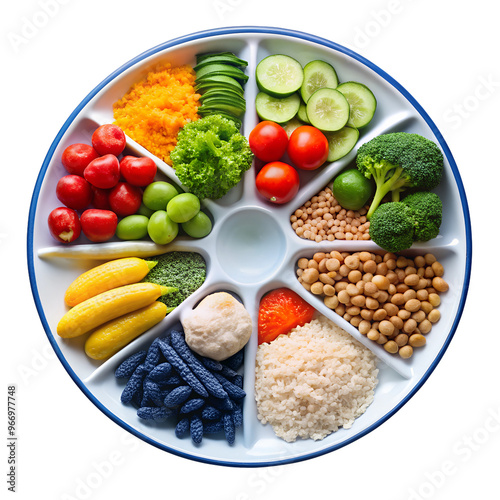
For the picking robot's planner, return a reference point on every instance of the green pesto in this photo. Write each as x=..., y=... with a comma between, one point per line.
x=183, y=270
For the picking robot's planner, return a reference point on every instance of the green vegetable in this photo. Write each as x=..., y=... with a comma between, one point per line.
x=211, y=156
x=183, y=270
x=132, y=227
x=161, y=228
x=427, y=214
x=399, y=161
x=391, y=226
x=352, y=189
x=395, y=225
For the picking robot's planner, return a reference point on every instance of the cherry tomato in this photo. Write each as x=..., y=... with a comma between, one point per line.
x=268, y=141
x=138, y=171
x=103, y=172
x=64, y=224
x=76, y=157
x=74, y=192
x=109, y=139
x=98, y=225
x=308, y=147
x=125, y=199
x=278, y=182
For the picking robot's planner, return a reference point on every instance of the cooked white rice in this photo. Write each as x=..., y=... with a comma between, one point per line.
x=313, y=381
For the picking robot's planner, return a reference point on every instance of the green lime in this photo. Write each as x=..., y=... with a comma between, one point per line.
x=352, y=189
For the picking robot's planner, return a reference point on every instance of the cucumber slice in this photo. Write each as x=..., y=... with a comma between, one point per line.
x=222, y=69
x=223, y=58
x=229, y=57
x=341, y=142
x=279, y=75
x=302, y=113
x=328, y=110
x=276, y=109
x=361, y=101
x=317, y=75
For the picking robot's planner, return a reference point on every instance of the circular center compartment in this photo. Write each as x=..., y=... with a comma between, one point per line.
x=250, y=246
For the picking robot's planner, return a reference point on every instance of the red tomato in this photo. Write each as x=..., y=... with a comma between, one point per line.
x=308, y=147
x=98, y=225
x=268, y=141
x=103, y=172
x=64, y=224
x=280, y=311
x=125, y=199
x=138, y=171
x=109, y=139
x=74, y=192
x=278, y=182
x=76, y=157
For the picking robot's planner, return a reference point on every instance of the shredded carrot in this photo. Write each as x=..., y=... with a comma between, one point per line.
x=155, y=109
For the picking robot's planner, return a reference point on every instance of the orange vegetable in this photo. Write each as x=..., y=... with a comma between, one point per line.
x=280, y=311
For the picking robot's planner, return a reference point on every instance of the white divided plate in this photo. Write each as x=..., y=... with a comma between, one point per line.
x=252, y=248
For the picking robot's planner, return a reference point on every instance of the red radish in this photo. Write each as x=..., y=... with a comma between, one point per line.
x=138, y=171
x=76, y=157
x=100, y=198
x=125, y=199
x=98, y=225
x=109, y=139
x=103, y=172
x=74, y=191
x=64, y=224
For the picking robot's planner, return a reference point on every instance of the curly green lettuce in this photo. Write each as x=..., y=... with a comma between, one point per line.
x=211, y=156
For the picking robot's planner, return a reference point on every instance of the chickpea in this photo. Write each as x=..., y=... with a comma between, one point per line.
x=438, y=269
x=429, y=258
x=409, y=325
x=372, y=303
x=324, y=278
x=401, y=339
x=302, y=263
x=344, y=297
x=371, y=288
x=381, y=282
x=382, y=339
x=333, y=264
x=412, y=280
x=328, y=290
x=413, y=305
x=434, y=316
x=434, y=299
x=425, y=326
x=317, y=288
x=331, y=302
x=354, y=276
x=310, y=275
x=319, y=256
x=364, y=326
x=397, y=322
x=386, y=328
x=440, y=284
x=419, y=316
x=426, y=306
x=366, y=314
x=373, y=335
x=370, y=266
x=417, y=340
x=352, y=261
x=391, y=347
x=358, y=300
x=391, y=309
x=409, y=295
x=406, y=351
x=353, y=310
x=398, y=299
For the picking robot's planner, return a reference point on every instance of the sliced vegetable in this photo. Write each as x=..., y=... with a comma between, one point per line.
x=276, y=109
x=341, y=142
x=279, y=75
x=105, y=277
x=280, y=311
x=218, y=80
x=219, y=57
x=109, y=305
x=317, y=75
x=222, y=69
x=362, y=103
x=116, y=334
x=328, y=110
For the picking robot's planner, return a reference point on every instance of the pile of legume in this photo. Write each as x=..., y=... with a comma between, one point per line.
x=391, y=299
x=322, y=218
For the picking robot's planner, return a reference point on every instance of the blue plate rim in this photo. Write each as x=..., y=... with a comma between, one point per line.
x=232, y=31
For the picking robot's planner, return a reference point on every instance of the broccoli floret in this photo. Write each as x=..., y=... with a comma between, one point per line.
x=427, y=214
x=211, y=156
x=392, y=227
x=185, y=271
x=400, y=161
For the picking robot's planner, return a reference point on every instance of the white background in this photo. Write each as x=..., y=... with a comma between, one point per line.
x=444, y=443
